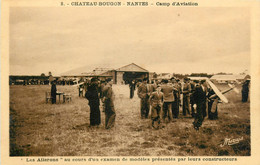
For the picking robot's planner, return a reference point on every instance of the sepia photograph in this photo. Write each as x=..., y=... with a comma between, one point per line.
x=141, y=80
x=104, y=82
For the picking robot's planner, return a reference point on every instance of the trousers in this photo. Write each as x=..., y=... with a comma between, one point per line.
x=186, y=104
x=110, y=114
x=94, y=113
x=167, y=111
x=144, y=108
x=175, y=109
x=199, y=116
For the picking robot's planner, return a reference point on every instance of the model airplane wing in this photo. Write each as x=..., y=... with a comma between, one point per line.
x=233, y=87
x=78, y=84
x=218, y=93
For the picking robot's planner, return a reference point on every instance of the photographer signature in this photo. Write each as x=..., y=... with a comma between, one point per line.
x=230, y=142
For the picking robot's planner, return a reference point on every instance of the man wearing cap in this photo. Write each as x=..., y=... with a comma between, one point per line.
x=108, y=99
x=143, y=94
x=93, y=101
x=186, y=89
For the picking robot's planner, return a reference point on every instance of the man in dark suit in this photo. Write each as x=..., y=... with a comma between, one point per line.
x=245, y=90
x=53, y=92
x=93, y=100
x=199, y=98
x=143, y=94
x=132, y=88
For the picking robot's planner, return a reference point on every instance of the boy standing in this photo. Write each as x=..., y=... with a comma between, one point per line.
x=156, y=101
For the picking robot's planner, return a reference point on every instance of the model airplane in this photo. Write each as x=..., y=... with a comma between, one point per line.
x=215, y=89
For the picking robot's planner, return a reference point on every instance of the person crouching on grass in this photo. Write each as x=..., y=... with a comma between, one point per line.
x=156, y=101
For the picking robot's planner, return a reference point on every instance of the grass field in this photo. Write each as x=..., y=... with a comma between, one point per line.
x=40, y=129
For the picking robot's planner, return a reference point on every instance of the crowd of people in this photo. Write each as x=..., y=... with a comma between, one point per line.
x=165, y=98
x=162, y=97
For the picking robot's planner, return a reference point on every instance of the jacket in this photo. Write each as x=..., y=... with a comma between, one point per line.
x=156, y=98
x=199, y=95
x=143, y=91
x=186, y=89
x=168, y=93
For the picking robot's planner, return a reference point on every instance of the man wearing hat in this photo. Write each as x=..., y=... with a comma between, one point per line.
x=93, y=101
x=108, y=99
x=143, y=94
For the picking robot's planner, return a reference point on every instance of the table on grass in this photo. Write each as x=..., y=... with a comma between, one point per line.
x=59, y=94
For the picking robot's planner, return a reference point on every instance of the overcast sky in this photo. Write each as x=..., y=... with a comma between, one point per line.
x=160, y=39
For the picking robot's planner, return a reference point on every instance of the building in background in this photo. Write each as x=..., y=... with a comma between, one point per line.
x=128, y=73
x=122, y=75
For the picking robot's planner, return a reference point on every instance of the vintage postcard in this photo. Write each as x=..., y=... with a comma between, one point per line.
x=126, y=82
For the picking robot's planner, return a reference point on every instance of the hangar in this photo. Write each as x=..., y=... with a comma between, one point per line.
x=122, y=75
x=128, y=73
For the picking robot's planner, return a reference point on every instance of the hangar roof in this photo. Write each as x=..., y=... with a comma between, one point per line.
x=131, y=68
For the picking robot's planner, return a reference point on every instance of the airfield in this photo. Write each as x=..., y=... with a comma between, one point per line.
x=40, y=129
